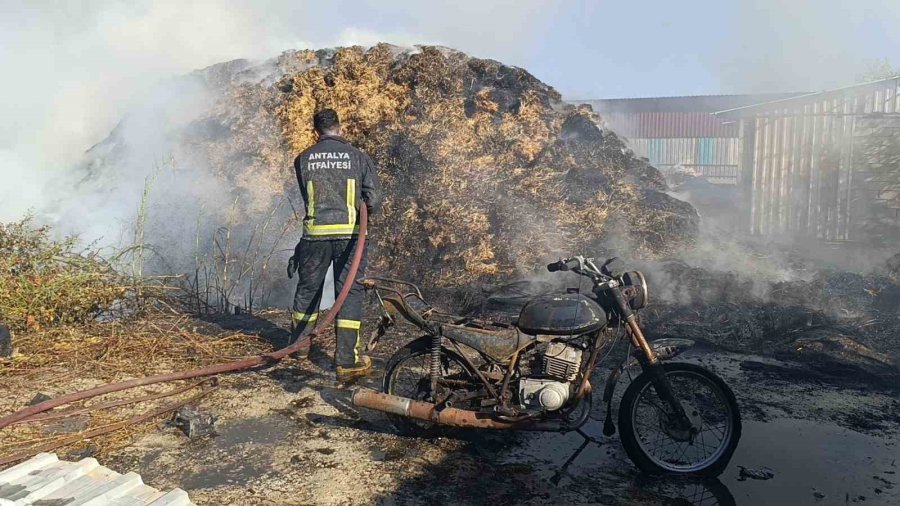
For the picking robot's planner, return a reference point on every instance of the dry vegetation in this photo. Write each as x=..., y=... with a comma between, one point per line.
x=78, y=323
x=45, y=282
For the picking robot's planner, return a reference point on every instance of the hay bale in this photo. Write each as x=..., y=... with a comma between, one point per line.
x=486, y=172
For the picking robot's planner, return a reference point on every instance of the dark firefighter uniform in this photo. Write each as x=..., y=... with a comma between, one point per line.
x=333, y=176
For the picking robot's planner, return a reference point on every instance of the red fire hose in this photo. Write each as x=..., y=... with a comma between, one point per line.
x=237, y=365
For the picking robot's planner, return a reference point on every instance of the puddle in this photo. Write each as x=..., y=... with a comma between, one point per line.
x=814, y=463
x=809, y=457
x=240, y=454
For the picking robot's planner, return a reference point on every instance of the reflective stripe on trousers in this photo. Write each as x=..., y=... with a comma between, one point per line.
x=348, y=327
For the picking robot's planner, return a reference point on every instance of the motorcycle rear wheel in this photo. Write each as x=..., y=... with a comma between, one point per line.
x=407, y=374
x=657, y=446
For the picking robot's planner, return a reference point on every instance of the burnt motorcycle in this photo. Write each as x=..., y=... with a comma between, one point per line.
x=534, y=373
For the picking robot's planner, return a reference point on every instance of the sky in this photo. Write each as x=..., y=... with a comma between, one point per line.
x=72, y=69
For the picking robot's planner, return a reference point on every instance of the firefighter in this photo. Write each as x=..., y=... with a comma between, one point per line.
x=333, y=177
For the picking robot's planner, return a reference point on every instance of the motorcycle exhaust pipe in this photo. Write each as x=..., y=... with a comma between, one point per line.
x=420, y=410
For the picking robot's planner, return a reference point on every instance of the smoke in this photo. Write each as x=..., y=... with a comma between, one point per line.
x=74, y=69
x=84, y=79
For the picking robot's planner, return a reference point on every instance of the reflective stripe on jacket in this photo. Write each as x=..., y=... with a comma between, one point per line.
x=333, y=176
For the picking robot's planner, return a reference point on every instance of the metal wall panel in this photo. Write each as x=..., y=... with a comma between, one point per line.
x=683, y=132
x=715, y=158
x=827, y=165
x=671, y=125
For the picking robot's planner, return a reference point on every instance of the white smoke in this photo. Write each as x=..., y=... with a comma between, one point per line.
x=72, y=70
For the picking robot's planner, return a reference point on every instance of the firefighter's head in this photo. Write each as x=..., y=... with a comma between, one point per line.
x=326, y=122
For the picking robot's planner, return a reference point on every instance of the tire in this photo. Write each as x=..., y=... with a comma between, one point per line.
x=639, y=396
x=420, y=348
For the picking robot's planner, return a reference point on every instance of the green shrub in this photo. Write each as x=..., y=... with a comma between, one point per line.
x=47, y=282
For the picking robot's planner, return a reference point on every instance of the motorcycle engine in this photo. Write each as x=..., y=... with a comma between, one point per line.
x=556, y=366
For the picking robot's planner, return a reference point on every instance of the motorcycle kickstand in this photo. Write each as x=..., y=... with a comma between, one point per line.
x=558, y=476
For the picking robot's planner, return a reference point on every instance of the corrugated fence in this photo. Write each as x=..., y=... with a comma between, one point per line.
x=715, y=158
x=823, y=165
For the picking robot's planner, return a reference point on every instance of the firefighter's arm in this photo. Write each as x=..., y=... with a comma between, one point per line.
x=371, y=191
x=297, y=164
x=293, y=262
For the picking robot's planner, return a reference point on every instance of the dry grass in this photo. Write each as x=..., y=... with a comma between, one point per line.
x=52, y=294
x=152, y=344
x=74, y=357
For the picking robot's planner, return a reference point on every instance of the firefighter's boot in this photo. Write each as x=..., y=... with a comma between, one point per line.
x=357, y=370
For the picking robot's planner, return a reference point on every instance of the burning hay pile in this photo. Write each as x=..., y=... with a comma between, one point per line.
x=485, y=170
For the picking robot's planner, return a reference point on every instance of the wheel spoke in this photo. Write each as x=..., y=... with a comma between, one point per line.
x=664, y=441
x=411, y=377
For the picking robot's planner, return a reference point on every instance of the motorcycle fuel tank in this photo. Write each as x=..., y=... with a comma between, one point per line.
x=561, y=315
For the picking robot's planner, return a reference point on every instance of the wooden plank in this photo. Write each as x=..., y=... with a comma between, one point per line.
x=834, y=171
x=795, y=190
x=747, y=158
x=815, y=209
x=784, y=191
x=809, y=132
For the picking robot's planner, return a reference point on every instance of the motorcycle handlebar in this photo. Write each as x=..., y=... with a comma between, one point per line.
x=563, y=265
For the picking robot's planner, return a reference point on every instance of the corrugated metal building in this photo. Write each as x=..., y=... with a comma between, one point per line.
x=681, y=131
x=822, y=165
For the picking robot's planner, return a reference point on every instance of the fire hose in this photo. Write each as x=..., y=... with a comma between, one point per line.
x=237, y=365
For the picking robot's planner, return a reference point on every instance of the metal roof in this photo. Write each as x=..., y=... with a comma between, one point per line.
x=693, y=103
x=856, y=89
x=661, y=125
x=56, y=482
x=673, y=117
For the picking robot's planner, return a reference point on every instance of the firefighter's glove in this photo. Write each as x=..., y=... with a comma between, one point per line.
x=291, y=267
x=294, y=262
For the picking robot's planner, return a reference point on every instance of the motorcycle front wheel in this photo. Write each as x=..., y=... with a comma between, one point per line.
x=658, y=444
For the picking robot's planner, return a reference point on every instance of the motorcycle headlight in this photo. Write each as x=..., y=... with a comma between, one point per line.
x=635, y=289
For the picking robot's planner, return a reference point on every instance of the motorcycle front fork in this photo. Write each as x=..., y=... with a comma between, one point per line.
x=651, y=364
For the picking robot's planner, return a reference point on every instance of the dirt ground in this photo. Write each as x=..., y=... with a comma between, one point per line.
x=288, y=436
